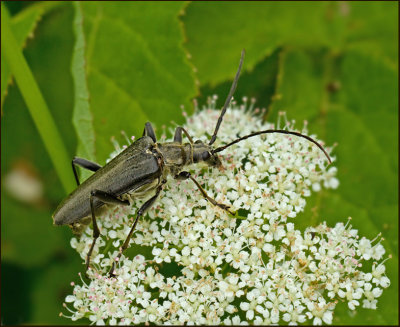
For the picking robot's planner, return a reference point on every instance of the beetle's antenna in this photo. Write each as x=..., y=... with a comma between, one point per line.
x=270, y=131
x=228, y=99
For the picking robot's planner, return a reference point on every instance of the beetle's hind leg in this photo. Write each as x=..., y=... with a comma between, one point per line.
x=140, y=213
x=106, y=198
x=90, y=165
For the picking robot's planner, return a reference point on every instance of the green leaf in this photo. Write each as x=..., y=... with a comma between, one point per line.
x=137, y=70
x=372, y=28
x=300, y=88
x=369, y=92
x=82, y=117
x=259, y=27
x=260, y=83
x=217, y=31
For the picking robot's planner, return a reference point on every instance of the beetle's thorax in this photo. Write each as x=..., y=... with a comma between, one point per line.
x=177, y=155
x=174, y=155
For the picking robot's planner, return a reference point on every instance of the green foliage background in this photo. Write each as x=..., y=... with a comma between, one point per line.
x=104, y=67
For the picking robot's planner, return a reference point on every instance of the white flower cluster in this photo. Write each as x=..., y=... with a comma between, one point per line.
x=254, y=268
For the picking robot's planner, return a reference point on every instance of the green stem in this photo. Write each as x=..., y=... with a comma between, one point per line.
x=35, y=102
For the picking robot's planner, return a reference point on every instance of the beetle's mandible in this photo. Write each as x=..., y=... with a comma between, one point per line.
x=142, y=168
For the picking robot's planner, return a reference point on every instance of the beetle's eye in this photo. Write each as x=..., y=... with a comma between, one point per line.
x=205, y=155
x=198, y=141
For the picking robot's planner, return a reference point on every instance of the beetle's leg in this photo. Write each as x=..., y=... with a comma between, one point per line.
x=186, y=175
x=140, y=213
x=106, y=198
x=149, y=131
x=90, y=165
x=178, y=135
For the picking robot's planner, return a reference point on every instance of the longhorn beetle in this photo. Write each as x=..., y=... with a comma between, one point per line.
x=142, y=168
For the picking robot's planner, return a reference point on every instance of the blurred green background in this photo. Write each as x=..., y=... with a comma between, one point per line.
x=104, y=67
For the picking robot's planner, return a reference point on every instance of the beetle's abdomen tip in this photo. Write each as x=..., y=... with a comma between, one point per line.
x=57, y=220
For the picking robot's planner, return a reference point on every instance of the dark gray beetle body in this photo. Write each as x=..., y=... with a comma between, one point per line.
x=133, y=168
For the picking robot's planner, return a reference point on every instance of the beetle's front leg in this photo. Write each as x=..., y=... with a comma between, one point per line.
x=140, y=213
x=106, y=198
x=186, y=175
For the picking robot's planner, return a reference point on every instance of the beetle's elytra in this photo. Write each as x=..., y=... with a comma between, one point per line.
x=127, y=172
x=142, y=169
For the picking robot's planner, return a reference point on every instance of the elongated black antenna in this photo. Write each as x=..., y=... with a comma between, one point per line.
x=228, y=99
x=270, y=131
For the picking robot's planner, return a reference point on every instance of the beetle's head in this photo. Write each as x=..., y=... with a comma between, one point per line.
x=204, y=153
